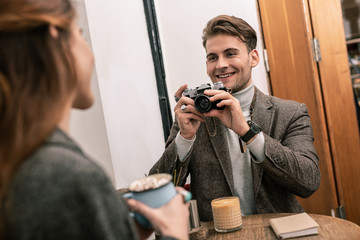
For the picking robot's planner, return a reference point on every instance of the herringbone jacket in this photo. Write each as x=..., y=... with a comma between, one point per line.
x=291, y=166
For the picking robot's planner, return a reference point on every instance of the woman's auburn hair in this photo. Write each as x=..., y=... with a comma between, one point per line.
x=37, y=75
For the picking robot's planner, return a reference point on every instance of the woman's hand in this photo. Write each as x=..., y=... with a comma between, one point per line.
x=168, y=220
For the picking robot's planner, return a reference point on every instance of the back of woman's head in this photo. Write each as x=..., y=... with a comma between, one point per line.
x=36, y=77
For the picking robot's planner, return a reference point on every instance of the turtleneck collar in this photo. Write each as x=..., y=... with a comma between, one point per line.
x=245, y=97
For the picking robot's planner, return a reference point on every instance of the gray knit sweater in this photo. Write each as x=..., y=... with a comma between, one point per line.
x=59, y=193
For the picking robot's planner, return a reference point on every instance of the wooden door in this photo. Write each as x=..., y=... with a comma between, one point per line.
x=335, y=79
x=288, y=31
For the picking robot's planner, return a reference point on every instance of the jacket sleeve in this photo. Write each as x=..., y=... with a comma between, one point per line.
x=292, y=160
x=68, y=199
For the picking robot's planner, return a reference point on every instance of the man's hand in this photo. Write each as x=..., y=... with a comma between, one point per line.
x=232, y=116
x=188, y=117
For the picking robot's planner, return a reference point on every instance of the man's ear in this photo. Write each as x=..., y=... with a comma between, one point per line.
x=53, y=31
x=254, y=56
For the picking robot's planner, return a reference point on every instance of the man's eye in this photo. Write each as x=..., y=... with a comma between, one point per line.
x=211, y=58
x=230, y=54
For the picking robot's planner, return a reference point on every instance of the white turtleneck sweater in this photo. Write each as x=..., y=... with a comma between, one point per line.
x=241, y=162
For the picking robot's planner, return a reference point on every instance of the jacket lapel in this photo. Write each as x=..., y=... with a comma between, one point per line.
x=263, y=116
x=263, y=112
x=220, y=148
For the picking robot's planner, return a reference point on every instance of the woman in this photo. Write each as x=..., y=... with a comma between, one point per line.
x=49, y=189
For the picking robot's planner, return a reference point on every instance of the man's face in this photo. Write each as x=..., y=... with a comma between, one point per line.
x=228, y=61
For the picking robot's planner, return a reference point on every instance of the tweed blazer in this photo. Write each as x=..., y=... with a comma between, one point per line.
x=290, y=168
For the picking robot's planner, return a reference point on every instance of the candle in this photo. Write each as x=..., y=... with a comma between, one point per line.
x=226, y=214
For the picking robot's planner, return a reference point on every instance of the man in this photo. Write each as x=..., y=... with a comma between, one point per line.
x=259, y=148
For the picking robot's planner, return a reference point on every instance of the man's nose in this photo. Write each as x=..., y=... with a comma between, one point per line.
x=221, y=63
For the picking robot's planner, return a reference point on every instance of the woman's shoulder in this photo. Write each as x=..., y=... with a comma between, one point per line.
x=59, y=153
x=59, y=181
x=57, y=164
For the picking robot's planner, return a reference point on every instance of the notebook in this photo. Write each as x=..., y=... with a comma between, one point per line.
x=296, y=225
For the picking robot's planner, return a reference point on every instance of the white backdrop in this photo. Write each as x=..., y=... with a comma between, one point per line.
x=88, y=127
x=127, y=86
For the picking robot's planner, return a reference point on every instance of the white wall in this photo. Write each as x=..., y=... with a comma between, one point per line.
x=88, y=127
x=127, y=86
x=126, y=93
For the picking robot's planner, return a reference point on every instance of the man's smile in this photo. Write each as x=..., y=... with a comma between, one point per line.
x=225, y=75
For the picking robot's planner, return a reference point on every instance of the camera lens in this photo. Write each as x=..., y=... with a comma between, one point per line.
x=202, y=103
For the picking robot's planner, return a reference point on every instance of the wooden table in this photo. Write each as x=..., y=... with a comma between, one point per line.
x=258, y=227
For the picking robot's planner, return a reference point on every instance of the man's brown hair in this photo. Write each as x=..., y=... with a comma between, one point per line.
x=230, y=25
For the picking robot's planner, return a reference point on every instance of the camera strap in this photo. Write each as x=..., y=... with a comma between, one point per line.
x=207, y=128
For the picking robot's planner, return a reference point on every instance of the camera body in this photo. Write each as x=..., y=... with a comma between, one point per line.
x=202, y=101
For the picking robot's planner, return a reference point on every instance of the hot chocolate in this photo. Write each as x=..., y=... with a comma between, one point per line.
x=150, y=182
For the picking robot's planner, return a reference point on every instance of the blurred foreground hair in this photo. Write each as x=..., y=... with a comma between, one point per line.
x=37, y=75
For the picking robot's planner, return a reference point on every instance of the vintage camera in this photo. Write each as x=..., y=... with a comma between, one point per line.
x=202, y=101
